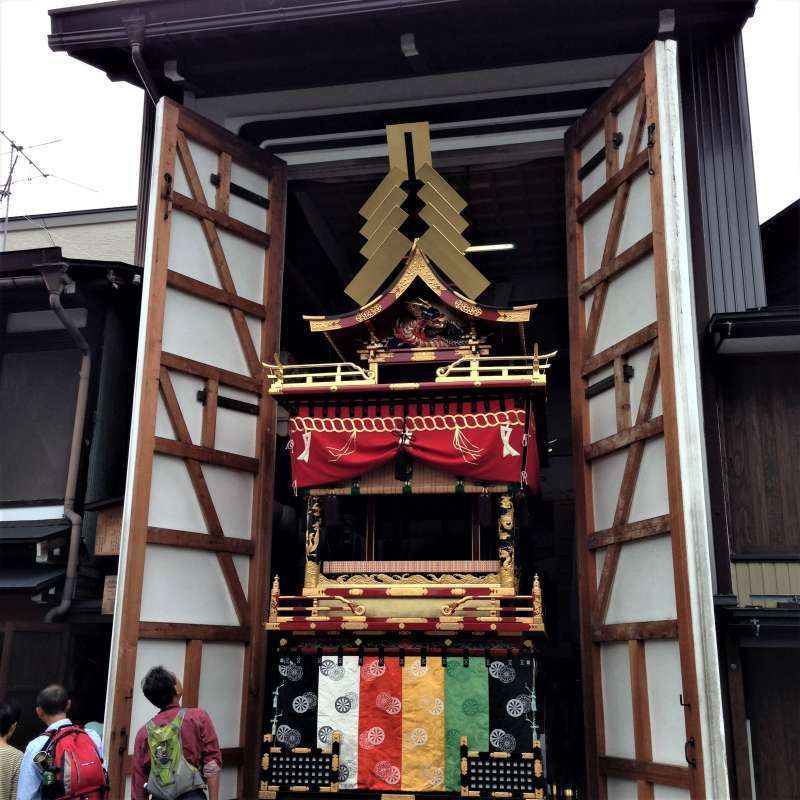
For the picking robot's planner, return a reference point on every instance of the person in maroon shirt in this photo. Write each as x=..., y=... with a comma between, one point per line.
x=198, y=737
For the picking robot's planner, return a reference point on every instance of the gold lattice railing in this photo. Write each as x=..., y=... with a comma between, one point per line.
x=487, y=369
x=282, y=376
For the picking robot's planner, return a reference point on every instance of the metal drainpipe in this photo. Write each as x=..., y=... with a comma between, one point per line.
x=56, y=281
x=134, y=27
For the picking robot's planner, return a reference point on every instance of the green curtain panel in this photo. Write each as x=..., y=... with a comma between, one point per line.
x=466, y=713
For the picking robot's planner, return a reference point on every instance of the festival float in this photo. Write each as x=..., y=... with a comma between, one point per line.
x=405, y=661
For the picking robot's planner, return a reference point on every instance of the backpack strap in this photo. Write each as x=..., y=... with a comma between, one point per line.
x=56, y=735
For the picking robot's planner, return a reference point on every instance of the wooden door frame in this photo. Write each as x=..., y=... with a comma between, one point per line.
x=660, y=159
x=177, y=125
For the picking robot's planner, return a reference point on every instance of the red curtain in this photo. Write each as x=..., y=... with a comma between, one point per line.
x=491, y=441
x=380, y=724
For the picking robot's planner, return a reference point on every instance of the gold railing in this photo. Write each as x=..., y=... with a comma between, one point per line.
x=284, y=376
x=489, y=369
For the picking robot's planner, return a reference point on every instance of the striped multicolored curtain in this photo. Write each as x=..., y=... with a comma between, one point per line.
x=401, y=727
x=423, y=725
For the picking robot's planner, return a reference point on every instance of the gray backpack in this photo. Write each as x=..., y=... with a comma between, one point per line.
x=171, y=775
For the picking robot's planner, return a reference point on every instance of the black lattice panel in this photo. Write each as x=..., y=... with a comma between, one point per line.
x=301, y=769
x=512, y=775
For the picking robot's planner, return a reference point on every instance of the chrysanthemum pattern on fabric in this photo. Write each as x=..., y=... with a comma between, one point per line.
x=423, y=725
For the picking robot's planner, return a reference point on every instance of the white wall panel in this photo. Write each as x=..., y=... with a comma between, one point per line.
x=637, y=222
x=221, y=673
x=664, y=689
x=597, y=177
x=617, y=703
x=599, y=560
x=236, y=431
x=619, y=789
x=644, y=587
x=650, y=496
x=246, y=262
x=602, y=409
x=189, y=252
x=243, y=209
x=206, y=162
x=595, y=230
x=232, y=493
x=242, y=564
x=227, y=783
x=639, y=361
x=606, y=481
x=183, y=585
x=202, y=331
x=173, y=503
x=625, y=120
x=630, y=304
x=670, y=793
x=186, y=388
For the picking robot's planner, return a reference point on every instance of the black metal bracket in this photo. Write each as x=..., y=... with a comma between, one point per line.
x=241, y=191
x=167, y=194
x=685, y=705
x=229, y=403
x=617, y=139
x=607, y=383
x=651, y=143
x=689, y=743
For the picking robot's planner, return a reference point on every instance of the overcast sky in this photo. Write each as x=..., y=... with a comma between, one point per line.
x=46, y=96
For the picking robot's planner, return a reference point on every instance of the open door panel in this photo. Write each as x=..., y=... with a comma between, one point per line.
x=197, y=512
x=651, y=684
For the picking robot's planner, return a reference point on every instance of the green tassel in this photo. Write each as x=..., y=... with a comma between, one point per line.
x=460, y=486
x=407, y=488
x=355, y=486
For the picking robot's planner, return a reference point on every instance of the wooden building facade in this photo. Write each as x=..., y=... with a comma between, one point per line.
x=264, y=133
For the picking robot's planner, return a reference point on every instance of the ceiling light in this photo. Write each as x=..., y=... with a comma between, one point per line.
x=489, y=248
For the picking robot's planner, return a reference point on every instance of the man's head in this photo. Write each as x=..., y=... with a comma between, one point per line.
x=161, y=687
x=9, y=716
x=52, y=704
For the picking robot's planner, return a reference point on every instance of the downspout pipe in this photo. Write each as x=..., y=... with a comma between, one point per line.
x=56, y=280
x=134, y=27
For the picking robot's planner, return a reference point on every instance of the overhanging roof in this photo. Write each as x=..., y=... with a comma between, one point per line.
x=224, y=47
x=31, y=532
x=30, y=579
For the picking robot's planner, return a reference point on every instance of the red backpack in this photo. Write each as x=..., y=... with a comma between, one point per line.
x=73, y=769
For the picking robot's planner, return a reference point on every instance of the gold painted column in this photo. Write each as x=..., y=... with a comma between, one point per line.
x=313, y=532
x=505, y=536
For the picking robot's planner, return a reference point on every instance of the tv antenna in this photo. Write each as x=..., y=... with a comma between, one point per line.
x=16, y=152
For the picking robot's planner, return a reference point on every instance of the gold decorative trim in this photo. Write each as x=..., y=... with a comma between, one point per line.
x=468, y=308
x=369, y=312
x=513, y=316
x=317, y=326
x=409, y=579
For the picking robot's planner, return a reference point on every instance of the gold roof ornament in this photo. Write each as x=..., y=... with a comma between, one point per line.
x=412, y=176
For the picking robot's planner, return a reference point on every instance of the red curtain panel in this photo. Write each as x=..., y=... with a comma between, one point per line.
x=380, y=724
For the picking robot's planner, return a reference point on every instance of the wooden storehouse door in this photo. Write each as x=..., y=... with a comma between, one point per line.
x=197, y=514
x=651, y=683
